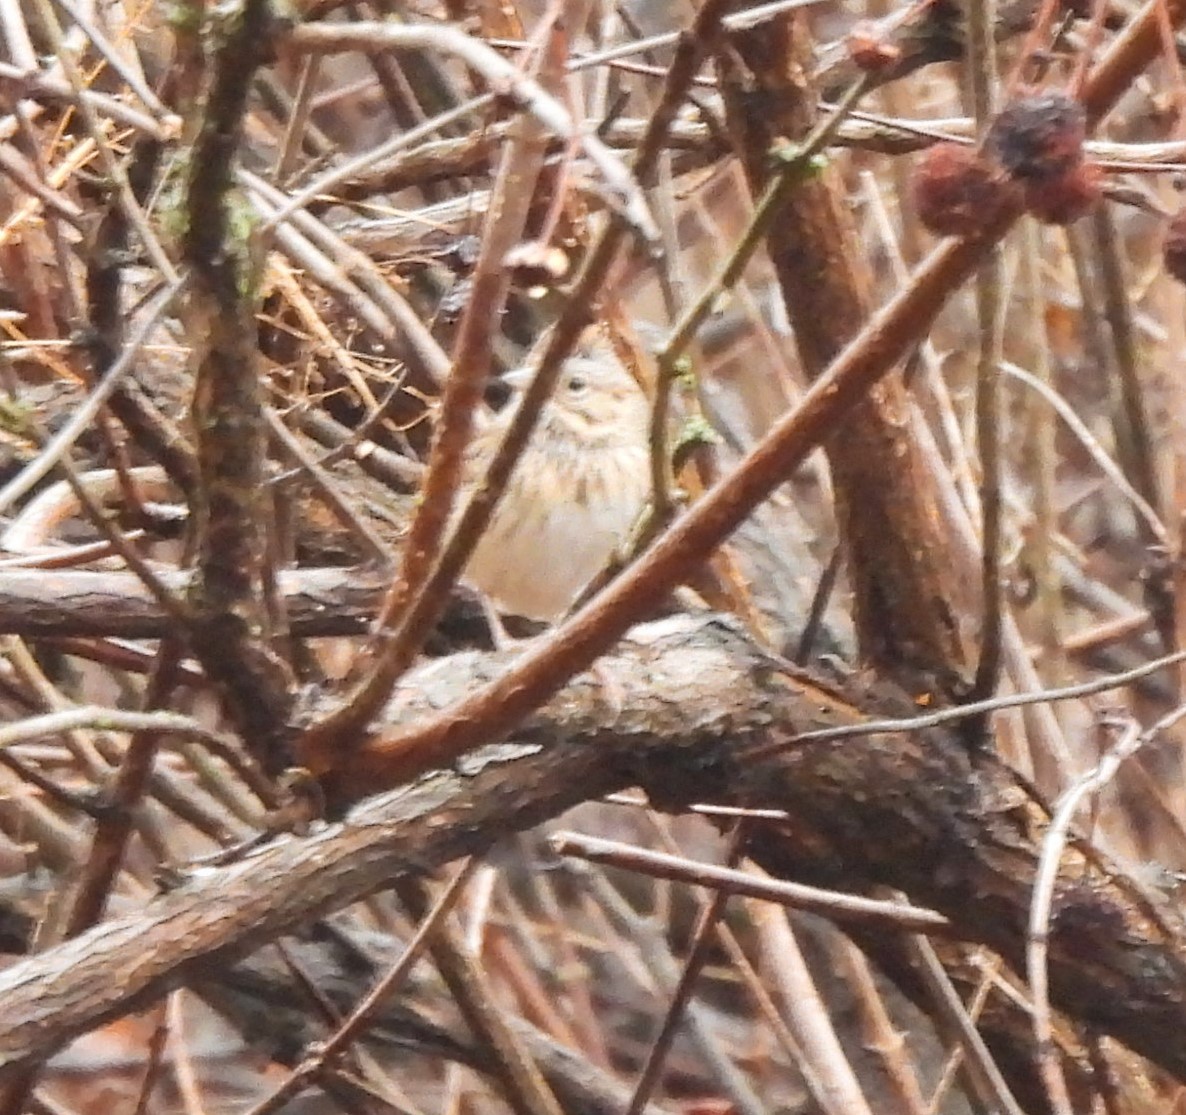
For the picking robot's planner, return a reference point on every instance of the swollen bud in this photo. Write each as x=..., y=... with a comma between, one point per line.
x=957, y=192
x=1039, y=137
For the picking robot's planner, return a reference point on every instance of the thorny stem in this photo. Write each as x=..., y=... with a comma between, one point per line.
x=796, y=165
x=228, y=633
x=990, y=311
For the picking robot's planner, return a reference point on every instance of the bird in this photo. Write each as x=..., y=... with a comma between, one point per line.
x=573, y=499
x=576, y=492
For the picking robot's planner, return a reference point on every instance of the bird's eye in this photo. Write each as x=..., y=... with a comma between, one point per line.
x=577, y=385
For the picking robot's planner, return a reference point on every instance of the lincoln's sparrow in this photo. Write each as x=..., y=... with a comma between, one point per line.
x=572, y=500
x=579, y=487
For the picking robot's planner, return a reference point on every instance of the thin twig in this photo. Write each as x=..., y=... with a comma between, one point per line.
x=1131, y=740
x=986, y=1075
x=829, y=904
x=84, y=414
x=503, y=76
x=363, y=1014
x=995, y=704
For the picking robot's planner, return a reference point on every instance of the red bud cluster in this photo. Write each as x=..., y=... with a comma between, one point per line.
x=1038, y=140
x=957, y=191
x=1033, y=156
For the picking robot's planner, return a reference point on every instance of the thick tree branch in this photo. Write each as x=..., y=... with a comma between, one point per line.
x=906, y=588
x=699, y=710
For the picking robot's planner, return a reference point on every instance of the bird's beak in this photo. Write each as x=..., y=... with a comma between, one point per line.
x=518, y=378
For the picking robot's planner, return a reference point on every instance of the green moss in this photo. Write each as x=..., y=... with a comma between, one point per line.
x=225, y=24
x=696, y=431
x=788, y=157
x=170, y=208
x=242, y=239
x=184, y=17
x=15, y=416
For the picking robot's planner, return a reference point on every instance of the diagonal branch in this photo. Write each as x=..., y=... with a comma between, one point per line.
x=888, y=336
x=699, y=707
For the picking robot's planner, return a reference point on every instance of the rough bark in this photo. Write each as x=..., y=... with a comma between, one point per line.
x=906, y=592
x=697, y=710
